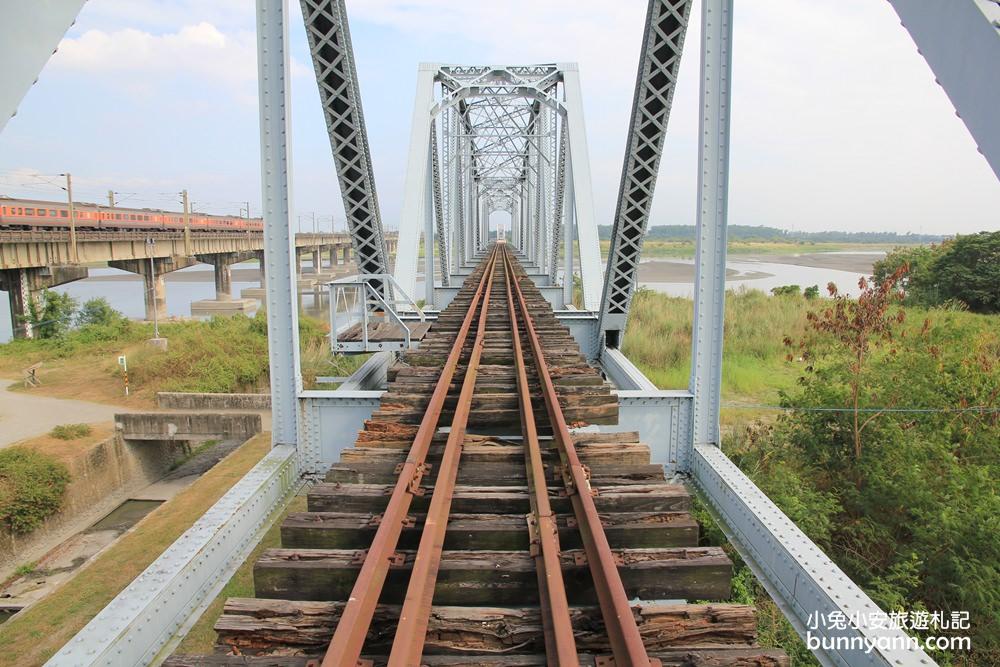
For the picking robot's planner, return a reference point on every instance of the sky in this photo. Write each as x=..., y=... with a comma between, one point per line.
x=837, y=123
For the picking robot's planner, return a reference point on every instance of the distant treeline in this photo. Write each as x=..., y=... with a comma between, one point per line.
x=760, y=233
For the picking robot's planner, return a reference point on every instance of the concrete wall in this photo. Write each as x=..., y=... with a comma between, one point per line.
x=102, y=477
x=175, y=400
x=180, y=426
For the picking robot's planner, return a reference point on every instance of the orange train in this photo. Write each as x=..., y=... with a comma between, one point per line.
x=31, y=214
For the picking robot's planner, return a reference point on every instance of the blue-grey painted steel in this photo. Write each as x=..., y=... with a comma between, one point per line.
x=33, y=32
x=713, y=196
x=807, y=586
x=137, y=626
x=330, y=424
x=337, y=78
x=659, y=62
x=960, y=40
x=279, y=250
x=663, y=420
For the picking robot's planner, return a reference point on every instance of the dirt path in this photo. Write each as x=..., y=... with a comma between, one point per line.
x=25, y=414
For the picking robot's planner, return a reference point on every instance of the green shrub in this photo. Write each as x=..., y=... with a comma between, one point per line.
x=32, y=486
x=786, y=290
x=25, y=569
x=70, y=431
x=97, y=312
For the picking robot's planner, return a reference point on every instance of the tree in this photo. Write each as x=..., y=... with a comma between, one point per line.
x=968, y=270
x=786, y=290
x=915, y=281
x=811, y=292
x=99, y=312
x=896, y=423
x=53, y=316
x=860, y=326
x=964, y=270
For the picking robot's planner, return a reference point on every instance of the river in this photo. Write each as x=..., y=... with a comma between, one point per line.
x=671, y=276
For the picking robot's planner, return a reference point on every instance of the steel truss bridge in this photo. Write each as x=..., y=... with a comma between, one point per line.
x=512, y=138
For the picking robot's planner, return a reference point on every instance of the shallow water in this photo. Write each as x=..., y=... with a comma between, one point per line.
x=126, y=515
x=125, y=292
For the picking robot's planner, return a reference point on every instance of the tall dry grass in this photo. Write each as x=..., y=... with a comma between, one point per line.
x=658, y=341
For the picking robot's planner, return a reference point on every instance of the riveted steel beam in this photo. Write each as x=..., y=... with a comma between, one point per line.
x=662, y=44
x=336, y=75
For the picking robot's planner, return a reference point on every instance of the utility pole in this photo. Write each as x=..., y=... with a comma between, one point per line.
x=152, y=281
x=111, y=198
x=73, y=252
x=187, y=222
x=248, y=210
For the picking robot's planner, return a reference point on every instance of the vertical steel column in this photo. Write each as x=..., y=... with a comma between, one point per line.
x=413, y=217
x=279, y=251
x=579, y=156
x=569, y=234
x=429, y=226
x=713, y=188
x=559, y=204
x=461, y=195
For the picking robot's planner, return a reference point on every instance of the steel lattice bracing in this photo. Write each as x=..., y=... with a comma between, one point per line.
x=499, y=134
x=557, y=215
x=439, y=214
x=336, y=75
x=663, y=41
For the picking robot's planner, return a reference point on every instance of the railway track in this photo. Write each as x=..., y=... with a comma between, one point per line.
x=482, y=520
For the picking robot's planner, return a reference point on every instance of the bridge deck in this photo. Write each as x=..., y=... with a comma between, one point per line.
x=500, y=539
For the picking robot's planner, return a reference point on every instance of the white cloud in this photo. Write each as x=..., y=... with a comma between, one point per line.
x=837, y=124
x=200, y=54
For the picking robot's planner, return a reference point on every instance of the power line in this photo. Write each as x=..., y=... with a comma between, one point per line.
x=785, y=408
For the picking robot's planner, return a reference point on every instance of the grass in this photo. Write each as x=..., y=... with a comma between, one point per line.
x=223, y=355
x=200, y=640
x=34, y=635
x=658, y=341
x=663, y=248
x=64, y=450
x=71, y=431
x=26, y=569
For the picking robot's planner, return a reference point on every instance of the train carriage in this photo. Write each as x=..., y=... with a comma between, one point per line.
x=27, y=214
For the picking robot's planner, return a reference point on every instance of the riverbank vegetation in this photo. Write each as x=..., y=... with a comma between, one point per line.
x=962, y=272
x=35, y=634
x=32, y=487
x=761, y=233
x=884, y=447
x=223, y=354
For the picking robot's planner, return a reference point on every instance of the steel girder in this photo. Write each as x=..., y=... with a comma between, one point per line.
x=497, y=146
x=279, y=252
x=337, y=78
x=958, y=40
x=557, y=214
x=663, y=42
x=439, y=217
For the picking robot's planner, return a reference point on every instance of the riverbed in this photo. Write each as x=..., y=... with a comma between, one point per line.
x=671, y=276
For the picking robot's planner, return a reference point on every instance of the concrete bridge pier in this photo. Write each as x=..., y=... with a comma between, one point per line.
x=23, y=286
x=257, y=293
x=224, y=303
x=152, y=271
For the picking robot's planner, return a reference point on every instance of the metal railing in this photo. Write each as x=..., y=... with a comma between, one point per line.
x=375, y=297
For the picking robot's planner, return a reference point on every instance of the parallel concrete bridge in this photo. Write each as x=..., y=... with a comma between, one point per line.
x=34, y=260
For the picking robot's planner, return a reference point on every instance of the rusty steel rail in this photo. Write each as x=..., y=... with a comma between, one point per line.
x=411, y=632
x=349, y=638
x=619, y=622
x=560, y=643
